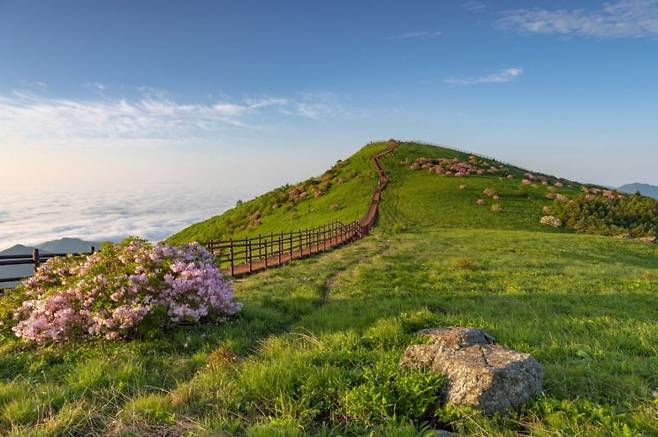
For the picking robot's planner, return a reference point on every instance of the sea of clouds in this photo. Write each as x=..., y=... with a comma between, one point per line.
x=152, y=212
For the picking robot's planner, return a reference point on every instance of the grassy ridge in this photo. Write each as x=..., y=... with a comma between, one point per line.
x=345, y=199
x=419, y=198
x=315, y=349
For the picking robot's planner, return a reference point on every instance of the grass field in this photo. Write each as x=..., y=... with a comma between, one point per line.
x=315, y=349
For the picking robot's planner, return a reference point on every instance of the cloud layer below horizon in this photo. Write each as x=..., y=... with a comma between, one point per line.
x=151, y=212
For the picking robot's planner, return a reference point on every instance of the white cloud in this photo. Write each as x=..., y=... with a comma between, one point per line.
x=474, y=6
x=505, y=75
x=619, y=19
x=416, y=35
x=151, y=119
x=34, y=84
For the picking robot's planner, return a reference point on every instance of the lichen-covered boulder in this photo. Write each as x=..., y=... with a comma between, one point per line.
x=481, y=374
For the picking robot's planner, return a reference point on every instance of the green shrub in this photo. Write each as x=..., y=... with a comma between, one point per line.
x=388, y=391
x=635, y=214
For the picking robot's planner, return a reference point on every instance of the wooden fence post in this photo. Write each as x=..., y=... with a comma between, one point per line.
x=35, y=259
x=232, y=258
x=280, y=246
x=265, y=252
x=249, y=252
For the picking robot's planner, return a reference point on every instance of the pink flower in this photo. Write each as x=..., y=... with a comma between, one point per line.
x=105, y=298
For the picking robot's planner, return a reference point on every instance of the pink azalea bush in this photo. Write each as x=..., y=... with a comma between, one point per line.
x=128, y=288
x=454, y=167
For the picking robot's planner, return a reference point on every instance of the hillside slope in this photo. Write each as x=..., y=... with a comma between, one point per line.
x=315, y=350
x=342, y=193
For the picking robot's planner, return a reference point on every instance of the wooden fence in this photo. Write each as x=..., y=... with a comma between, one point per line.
x=248, y=255
x=34, y=259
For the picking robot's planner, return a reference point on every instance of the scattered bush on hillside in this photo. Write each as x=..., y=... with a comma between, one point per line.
x=132, y=288
x=549, y=220
x=497, y=207
x=607, y=212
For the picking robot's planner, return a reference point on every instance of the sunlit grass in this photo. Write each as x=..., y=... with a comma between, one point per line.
x=315, y=349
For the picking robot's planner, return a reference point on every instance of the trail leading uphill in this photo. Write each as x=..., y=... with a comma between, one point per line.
x=253, y=254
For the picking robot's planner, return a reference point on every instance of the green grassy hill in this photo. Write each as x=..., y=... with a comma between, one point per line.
x=417, y=198
x=315, y=349
x=342, y=193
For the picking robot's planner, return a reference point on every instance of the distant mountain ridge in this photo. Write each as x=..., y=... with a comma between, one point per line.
x=62, y=245
x=644, y=189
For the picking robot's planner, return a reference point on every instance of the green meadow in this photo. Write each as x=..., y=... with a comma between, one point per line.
x=315, y=349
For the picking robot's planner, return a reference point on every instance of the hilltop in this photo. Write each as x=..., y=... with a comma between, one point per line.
x=315, y=349
x=343, y=192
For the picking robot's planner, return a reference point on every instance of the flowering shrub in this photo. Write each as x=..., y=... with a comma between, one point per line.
x=549, y=220
x=129, y=288
x=454, y=167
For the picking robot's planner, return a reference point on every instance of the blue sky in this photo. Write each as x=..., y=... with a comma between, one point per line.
x=198, y=92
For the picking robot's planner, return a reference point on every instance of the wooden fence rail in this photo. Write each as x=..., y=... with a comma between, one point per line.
x=247, y=255
x=34, y=259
